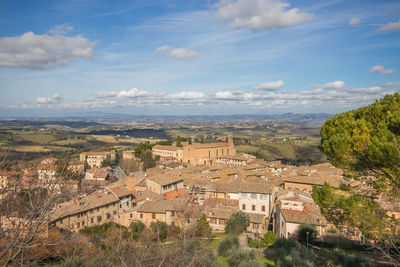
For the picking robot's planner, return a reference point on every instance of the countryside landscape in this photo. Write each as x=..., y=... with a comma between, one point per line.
x=237, y=133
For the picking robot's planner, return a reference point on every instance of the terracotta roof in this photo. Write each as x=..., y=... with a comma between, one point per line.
x=144, y=195
x=164, y=179
x=311, y=214
x=208, y=145
x=162, y=205
x=174, y=194
x=170, y=148
x=256, y=217
x=304, y=180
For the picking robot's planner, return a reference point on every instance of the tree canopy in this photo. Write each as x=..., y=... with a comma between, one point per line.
x=237, y=223
x=365, y=143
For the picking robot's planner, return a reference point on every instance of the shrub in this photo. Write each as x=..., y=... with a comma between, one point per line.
x=227, y=244
x=159, y=229
x=302, y=233
x=269, y=238
x=203, y=226
x=137, y=226
x=237, y=223
x=242, y=258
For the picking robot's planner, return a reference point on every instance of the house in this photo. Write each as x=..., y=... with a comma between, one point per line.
x=96, y=174
x=97, y=208
x=94, y=159
x=9, y=178
x=46, y=173
x=256, y=197
x=218, y=217
x=77, y=166
x=197, y=153
x=293, y=210
x=161, y=183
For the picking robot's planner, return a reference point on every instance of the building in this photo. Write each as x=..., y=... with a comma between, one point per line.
x=94, y=159
x=97, y=208
x=237, y=160
x=196, y=153
x=256, y=198
x=164, y=183
x=46, y=173
x=128, y=154
x=96, y=174
x=293, y=210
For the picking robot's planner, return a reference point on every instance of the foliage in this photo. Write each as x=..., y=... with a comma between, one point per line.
x=353, y=209
x=243, y=258
x=106, y=162
x=203, y=226
x=306, y=232
x=292, y=261
x=237, y=223
x=139, y=149
x=99, y=231
x=137, y=226
x=160, y=230
x=147, y=158
x=283, y=243
x=365, y=142
x=227, y=244
x=269, y=238
x=63, y=171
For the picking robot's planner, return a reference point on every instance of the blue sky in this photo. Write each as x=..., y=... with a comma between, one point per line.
x=60, y=58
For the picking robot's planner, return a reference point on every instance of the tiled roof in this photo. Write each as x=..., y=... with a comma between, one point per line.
x=162, y=205
x=311, y=214
x=164, y=179
x=170, y=148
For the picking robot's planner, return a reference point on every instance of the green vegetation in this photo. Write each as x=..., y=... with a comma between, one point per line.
x=269, y=239
x=365, y=142
x=306, y=234
x=227, y=244
x=160, y=229
x=203, y=227
x=237, y=223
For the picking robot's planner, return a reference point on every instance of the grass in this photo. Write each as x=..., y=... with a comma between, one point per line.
x=68, y=142
x=38, y=138
x=105, y=138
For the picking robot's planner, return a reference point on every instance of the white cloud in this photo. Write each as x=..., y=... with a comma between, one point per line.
x=61, y=29
x=270, y=86
x=49, y=100
x=381, y=69
x=132, y=93
x=354, y=21
x=260, y=14
x=331, y=85
x=180, y=53
x=390, y=27
x=43, y=51
x=162, y=49
x=391, y=84
x=105, y=94
x=188, y=95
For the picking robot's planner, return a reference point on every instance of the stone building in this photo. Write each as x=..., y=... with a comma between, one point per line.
x=196, y=153
x=94, y=159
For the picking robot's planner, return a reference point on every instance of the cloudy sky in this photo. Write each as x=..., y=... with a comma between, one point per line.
x=196, y=57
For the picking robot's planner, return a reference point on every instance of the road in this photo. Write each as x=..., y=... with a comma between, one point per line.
x=118, y=172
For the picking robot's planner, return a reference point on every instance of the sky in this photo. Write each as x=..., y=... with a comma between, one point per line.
x=197, y=57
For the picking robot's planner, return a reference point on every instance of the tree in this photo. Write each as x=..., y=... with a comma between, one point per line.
x=237, y=223
x=160, y=230
x=306, y=233
x=147, y=158
x=365, y=143
x=227, y=244
x=203, y=226
x=106, y=162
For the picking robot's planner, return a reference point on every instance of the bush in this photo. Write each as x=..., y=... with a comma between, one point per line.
x=269, y=238
x=290, y=261
x=227, y=244
x=283, y=243
x=302, y=233
x=137, y=226
x=203, y=226
x=237, y=223
x=160, y=230
x=243, y=258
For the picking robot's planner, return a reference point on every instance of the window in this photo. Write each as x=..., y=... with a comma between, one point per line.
x=92, y=220
x=108, y=216
x=78, y=225
x=83, y=223
x=221, y=221
x=213, y=220
x=243, y=195
x=141, y=215
x=153, y=215
x=253, y=207
x=61, y=222
x=172, y=213
x=99, y=218
x=188, y=221
x=255, y=225
x=78, y=216
x=253, y=196
x=243, y=206
x=120, y=206
x=263, y=196
x=262, y=208
x=114, y=212
x=131, y=215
